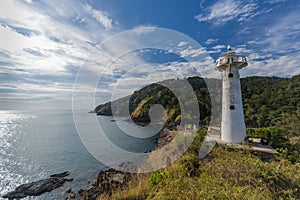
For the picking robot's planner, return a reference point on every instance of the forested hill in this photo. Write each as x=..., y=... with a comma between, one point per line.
x=267, y=101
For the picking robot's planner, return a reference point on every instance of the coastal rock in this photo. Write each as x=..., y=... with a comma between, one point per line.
x=166, y=136
x=38, y=187
x=106, y=182
x=60, y=175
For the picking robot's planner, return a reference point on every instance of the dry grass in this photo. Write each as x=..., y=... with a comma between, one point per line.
x=138, y=189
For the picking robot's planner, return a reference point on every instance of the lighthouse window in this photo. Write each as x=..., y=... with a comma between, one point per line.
x=231, y=107
x=230, y=75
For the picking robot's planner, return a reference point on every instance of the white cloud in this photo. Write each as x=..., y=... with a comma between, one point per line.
x=284, y=35
x=181, y=44
x=144, y=29
x=255, y=56
x=42, y=40
x=28, y=1
x=210, y=41
x=254, y=42
x=224, y=11
x=190, y=52
x=281, y=66
x=9, y=10
x=275, y=1
x=139, y=76
x=219, y=47
x=100, y=16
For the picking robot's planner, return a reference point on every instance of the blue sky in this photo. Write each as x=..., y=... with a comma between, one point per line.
x=44, y=44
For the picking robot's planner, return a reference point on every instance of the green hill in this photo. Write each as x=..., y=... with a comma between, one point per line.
x=267, y=101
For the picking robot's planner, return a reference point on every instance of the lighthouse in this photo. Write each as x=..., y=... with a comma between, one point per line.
x=233, y=129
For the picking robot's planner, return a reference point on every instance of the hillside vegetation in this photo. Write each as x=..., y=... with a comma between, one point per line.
x=272, y=111
x=267, y=101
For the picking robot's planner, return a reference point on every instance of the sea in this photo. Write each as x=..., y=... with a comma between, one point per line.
x=36, y=144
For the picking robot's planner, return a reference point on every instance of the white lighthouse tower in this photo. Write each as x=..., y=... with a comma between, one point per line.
x=233, y=129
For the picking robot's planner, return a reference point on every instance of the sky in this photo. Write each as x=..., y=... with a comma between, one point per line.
x=53, y=53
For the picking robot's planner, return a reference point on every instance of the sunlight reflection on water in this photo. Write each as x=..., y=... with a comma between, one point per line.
x=11, y=125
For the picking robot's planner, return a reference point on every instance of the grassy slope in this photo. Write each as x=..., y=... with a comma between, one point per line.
x=223, y=174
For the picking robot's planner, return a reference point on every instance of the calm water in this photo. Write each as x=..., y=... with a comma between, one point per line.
x=34, y=145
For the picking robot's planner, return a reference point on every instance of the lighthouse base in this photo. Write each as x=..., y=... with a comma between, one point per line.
x=233, y=133
x=255, y=147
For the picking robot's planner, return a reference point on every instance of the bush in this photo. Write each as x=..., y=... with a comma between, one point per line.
x=276, y=138
x=293, y=153
x=274, y=135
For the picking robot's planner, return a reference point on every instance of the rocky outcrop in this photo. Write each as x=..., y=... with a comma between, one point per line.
x=38, y=187
x=165, y=137
x=105, y=182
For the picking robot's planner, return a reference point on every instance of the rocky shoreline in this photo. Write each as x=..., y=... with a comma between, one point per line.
x=39, y=187
x=105, y=182
x=110, y=180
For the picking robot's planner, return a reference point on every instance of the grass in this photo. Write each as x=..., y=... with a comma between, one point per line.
x=223, y=174
x=139, y=188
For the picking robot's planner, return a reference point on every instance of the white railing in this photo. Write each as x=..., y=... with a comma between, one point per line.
x=233, y=59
